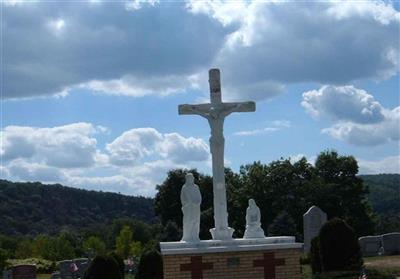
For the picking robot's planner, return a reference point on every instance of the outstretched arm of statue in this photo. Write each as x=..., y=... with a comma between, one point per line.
x=238, y=107
x=200, y=109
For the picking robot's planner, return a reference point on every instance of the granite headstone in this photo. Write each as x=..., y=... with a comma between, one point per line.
x=370, y=245
x=25, y=271
x=391, y=243
x=313, y=220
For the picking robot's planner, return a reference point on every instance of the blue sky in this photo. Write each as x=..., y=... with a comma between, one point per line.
x=90, y=89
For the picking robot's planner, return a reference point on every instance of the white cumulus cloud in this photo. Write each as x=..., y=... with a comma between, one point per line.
x=135, y=144
x=138, y=48
x=359, y=118
x=69, y=146
x=343, y=103
x=390, y=164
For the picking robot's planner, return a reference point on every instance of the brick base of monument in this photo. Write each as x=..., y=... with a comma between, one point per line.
x=254, y=264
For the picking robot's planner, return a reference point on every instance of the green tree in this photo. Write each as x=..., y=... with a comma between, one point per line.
x=283, y=224
x=340, y=193
x=3, y=259
x=136, y=248
x=63, y=248
x=124, y=242
x=94, y=245
x=171, y=232
x=282, y=185
x=24, y=249
x=40, y=244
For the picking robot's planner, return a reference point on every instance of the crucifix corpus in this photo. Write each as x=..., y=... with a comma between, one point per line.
x=215, y=112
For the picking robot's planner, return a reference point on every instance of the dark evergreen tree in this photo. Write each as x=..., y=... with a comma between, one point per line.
x=315, y=256
x=150, y=266
x=103, y=267
x=339, y=248
x=120, y=262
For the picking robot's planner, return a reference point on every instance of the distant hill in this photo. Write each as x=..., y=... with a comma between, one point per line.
x=32, y=208
x=384, y=192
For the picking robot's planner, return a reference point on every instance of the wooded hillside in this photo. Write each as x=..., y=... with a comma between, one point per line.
x=32, y=208
x=384, y=192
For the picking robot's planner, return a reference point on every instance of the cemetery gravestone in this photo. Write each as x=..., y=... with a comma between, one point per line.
x=370, y=245
x=81, y=265
x=313, y=220
x=24, y=272
x=391, y=243
x=65, y=268
x=7, y=274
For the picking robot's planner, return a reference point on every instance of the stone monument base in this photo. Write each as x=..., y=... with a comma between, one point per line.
x=262, y=258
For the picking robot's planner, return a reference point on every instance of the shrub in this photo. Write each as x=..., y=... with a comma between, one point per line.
x=42, y=265
x=120, y=262
x=315, y=256
x=3, y=258
x=338, y=246
x=103, y=267
x=150, y=266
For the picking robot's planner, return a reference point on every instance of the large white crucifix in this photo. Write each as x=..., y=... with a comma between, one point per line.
x=215, y=112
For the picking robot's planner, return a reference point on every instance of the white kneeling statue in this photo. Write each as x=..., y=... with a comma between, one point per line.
x=191, y=200
x=253, y=223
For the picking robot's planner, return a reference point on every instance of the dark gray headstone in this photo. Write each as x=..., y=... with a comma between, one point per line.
x=370, y=245
x=391, y=243
x=25, y=271
x=55, y=275
x=7, y=274
x=82, y=265
x=66, y=269
x=313, y=220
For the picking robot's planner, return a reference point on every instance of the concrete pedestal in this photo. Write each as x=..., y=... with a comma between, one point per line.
x=270, y=257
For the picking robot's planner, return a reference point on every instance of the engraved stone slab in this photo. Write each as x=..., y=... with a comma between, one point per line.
x=24, y=272
x=370, y=245
x=391, y=243
x=313, y=220
x=65, y=268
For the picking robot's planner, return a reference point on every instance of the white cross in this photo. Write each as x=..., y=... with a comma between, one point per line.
x=215, y=112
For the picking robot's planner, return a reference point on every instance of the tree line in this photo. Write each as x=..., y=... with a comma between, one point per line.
x=284, y=191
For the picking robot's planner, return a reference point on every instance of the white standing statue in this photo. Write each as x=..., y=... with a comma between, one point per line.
x=191, y=200
x=253, y=223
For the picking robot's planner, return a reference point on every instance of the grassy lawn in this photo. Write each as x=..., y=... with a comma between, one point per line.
x=388, y=263
x=47, y=276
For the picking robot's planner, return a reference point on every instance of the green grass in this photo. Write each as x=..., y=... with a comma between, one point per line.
x=47, y=276
x=388, y=264
x=385, y=264
x=306, y=271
